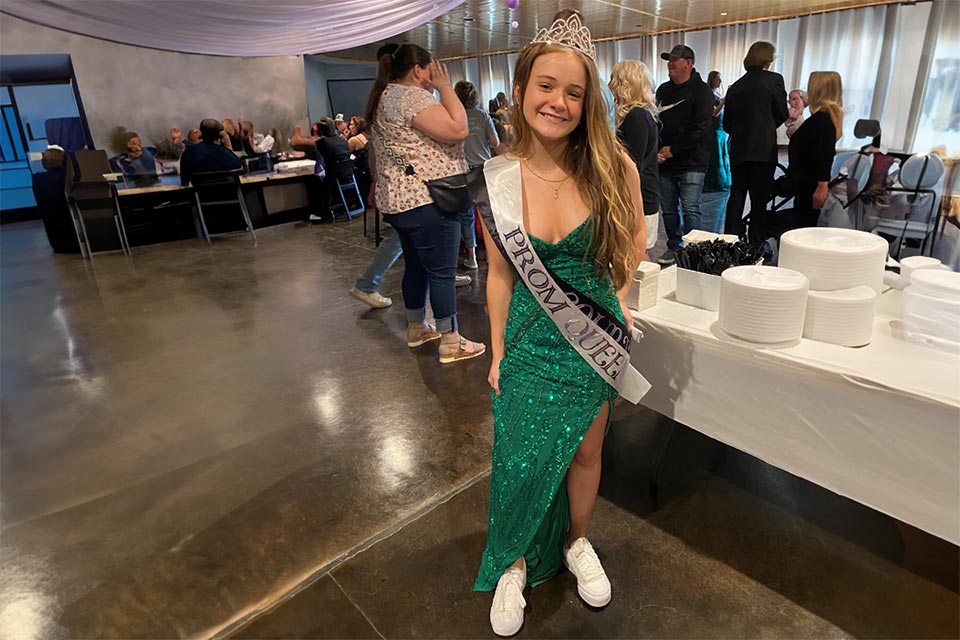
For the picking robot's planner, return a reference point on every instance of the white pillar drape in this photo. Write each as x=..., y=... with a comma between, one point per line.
x=848, y=42
x=496, y=74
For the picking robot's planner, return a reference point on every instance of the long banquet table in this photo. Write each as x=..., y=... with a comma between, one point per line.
x=879, y=424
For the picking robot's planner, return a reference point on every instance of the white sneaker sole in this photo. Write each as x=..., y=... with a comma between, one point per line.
x=378, y=305
x=451, y=358
x=594, y=601
x=507, y=631
x=422, y=341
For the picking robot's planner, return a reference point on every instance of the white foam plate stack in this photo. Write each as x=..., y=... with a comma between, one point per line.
x=843, y=317
x=644, y=287
x=931, y=308
x=835, y=259
x=763, y=304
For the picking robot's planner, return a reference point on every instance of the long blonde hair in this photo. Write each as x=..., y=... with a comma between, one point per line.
x=825, y=92
x=631, y=88
x=595, y=160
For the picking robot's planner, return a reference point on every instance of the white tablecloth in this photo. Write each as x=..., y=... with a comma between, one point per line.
x=879, y=424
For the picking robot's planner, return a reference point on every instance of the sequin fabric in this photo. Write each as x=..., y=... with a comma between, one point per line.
x=549, y=398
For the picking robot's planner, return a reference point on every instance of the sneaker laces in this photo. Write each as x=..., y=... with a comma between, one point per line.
x=509, y=592
x=588, y=564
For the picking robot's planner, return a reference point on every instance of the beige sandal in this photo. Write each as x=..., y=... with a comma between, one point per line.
x=461, y=349
x=418, y=334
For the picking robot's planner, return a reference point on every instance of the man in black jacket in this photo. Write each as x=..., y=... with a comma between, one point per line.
x=686, y=108
x=756, y=105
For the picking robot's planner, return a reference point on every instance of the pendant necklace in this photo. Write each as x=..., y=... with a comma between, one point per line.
x=559, y=183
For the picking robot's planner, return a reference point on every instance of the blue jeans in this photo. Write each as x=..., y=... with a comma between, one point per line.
x=467, y=229
x=713, y=209
x=431, y=243
x=387, y=253
x=683, y=189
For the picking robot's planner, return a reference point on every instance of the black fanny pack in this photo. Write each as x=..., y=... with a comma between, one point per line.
x=449, y=193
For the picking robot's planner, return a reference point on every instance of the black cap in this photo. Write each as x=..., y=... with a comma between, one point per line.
x=679, y=51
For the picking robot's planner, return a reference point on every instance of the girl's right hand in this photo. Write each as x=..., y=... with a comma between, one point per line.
x=494, y=377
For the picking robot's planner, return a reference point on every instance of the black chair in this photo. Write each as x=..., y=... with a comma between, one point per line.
x=93, y=202
x=220, y=189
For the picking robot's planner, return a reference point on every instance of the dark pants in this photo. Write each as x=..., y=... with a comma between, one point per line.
x=807, y=216
x=755, y=178
x=319, y=192
x=431, y=243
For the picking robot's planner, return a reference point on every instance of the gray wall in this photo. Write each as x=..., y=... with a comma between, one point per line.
x=319, y=70
x=149, y=91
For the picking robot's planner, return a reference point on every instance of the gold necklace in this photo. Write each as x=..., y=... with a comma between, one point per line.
x=556, y=190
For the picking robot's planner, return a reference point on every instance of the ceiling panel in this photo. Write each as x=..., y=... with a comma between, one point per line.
x=479, y=27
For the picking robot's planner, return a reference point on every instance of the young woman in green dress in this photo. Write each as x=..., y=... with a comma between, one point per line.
x=581, y=209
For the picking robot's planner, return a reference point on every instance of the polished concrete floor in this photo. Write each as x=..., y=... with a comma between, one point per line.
x=201, y=441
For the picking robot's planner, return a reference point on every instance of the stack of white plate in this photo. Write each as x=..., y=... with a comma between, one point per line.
x=842, y=317
x=835, y=259
x=763, y=304
x=931, y=308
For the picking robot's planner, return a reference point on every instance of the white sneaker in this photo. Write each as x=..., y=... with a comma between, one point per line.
x=471, y=264
x=506, y=612
x=592, y=583
x=462, y=280
x=372, y=298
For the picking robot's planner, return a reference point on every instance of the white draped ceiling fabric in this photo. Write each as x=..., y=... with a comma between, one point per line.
x=233, y=27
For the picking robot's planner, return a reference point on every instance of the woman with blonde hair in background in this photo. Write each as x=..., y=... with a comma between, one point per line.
x=813, y=146
x=566, y=224
x=639, y=132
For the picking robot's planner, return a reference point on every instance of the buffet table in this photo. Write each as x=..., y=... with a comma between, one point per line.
x=879, y=424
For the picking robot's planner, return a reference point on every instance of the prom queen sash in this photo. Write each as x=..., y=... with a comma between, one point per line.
x=600, y=339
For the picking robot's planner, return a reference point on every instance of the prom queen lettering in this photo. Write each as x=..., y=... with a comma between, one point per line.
x=595, y=344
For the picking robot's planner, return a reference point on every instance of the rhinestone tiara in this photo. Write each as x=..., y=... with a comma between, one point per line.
x=568, y=32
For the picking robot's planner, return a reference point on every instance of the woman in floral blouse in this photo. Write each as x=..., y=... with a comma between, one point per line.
x=410, y=128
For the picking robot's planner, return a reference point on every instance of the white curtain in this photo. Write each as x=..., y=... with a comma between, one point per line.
x=608, y=55
x=848, y=42
x=496, y=75
x=610, y=52
x=230, y=28
x=939, y=118
x=728, y=47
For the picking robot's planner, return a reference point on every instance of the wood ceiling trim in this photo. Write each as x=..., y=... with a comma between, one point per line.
x=642, y=12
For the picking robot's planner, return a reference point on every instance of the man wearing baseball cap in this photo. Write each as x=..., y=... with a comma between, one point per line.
x=686, y=110
x=341, y=125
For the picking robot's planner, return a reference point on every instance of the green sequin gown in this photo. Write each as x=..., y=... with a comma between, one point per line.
x=549, y=398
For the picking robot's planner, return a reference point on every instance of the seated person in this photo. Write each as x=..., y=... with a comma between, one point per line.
x=137, y=161
x=172, y=147
x=209, y=154
x=254, y=144
x=358, y=134
x=333, y=149
x=331, y=146
x=341, y=125
x=306, y=145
